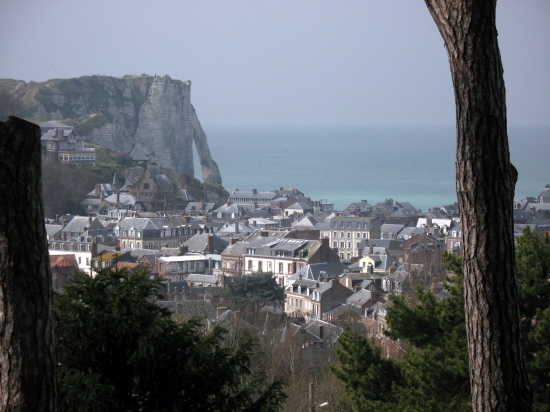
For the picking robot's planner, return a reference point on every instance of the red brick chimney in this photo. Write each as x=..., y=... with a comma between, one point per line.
x=94, y=247
x=210, y=247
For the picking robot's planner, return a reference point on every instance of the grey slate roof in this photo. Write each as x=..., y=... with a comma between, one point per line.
x=51, y=135
x=53, y=124
x=199, y=243
x=141, y=223
x=53, y=230
x=388, y=244
x=313, y=270
x=125, y=199
x=410, y=231
x=303, y=206
x=236, y=249
x=78, y=224
x=545, y=194
x=359, y=298
x=139, y=153
x=308, y=221
x=406, y=210
x=392, y=229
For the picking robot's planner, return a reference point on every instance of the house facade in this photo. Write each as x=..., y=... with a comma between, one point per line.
x=65, y=146
x=346, y=233
x=284, y=257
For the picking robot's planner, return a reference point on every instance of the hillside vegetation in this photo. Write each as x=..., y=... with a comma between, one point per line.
x=65, y=186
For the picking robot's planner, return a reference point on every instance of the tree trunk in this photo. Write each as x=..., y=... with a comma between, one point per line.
x=485, y=181
x=27, y=363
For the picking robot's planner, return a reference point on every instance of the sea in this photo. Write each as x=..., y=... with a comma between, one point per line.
x=344, y=164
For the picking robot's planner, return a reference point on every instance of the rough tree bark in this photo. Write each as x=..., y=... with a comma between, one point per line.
x=27, y=363
x=485, y=181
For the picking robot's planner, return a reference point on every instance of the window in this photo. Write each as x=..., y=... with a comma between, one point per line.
x=280, y=268
x=79, y=260
x=87, y=261
x=334, y=234
x=342, y=244
x=358, y=225
x=260, y=266
x=334, y=244
x=358, y=235
x=365, y=225
x=364, y=235
x=192, y=265
x=341, y=224
x=249, y=265
x=146, y=186
x=349, y=235
x=341, y=234
x=349, y=245
x=349, y=225
x=335, y=224
x=150, y=246
x=290, y=268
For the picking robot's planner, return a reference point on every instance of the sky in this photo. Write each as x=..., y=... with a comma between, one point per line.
x=285, y=62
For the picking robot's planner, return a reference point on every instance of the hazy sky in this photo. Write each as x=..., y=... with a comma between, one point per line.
x=369, y=62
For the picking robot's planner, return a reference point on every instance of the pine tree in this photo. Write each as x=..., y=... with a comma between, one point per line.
x=434, y=375
x=256, y=291
x=533, y=266
x=120, y=351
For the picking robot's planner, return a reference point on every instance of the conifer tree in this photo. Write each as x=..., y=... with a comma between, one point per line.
x=119, y=351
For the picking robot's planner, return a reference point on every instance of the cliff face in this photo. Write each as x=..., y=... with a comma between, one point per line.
x=115, y=113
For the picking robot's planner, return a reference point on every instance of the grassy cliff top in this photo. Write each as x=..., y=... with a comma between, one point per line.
x=80, y=96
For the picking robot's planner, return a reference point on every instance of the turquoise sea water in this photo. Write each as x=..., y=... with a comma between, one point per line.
x=347, y=164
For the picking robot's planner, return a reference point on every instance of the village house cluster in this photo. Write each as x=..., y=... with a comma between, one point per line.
x=332, y=264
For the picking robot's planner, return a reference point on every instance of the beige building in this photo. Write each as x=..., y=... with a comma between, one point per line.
x=346, y=232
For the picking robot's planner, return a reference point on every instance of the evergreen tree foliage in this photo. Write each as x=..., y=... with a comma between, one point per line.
x=533, y=266
x=367, y=377
x=119, y=351
x=256, y=291
x=434, y=375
